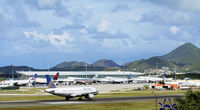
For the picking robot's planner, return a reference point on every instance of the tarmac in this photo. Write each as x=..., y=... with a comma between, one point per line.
x=25, y=103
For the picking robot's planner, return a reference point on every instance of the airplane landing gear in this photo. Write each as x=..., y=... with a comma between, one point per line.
x=66, y=98
x=80, y=98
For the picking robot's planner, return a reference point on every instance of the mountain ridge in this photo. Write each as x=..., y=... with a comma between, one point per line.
x=184, y=56
x=187, y=53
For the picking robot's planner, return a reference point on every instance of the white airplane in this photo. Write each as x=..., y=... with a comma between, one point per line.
x=87, y=92
x=155, y=79
x=101, y=80
x=84, y=81
x=19, y=82
x=170, y=81
x=41, y=81
x=117, y=80
x=147, y=79
x=113, y=79
x=66, y=81
x=74, y=80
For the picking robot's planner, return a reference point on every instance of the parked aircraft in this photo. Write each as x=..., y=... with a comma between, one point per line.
x=19, y=82
x=147, y=79
x=84, y=81
x=44, y=81
x=101, y=80
x=113, y=79
x=87, y=92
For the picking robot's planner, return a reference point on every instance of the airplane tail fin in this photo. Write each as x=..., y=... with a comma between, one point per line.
x=130, y=76
x=50, y=83
x=56, y=76
x=34, y=77
x=165, y=75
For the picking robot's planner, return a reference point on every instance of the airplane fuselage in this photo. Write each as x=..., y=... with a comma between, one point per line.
x=88, y=92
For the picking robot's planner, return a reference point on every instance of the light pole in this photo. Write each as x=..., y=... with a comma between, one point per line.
x=155, y=98
x=175, y=73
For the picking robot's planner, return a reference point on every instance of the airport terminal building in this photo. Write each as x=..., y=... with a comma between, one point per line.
x=79, y=74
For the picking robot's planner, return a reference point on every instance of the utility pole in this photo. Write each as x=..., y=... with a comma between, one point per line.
x=86, y=67
x=175, y=73
x=86, y=70
x=156, y=99
x=156, y=68
x=12, y=72
x=48, y=67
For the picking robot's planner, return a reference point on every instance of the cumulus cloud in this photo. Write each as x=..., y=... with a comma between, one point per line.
x=103, y=26
x=13, y=18
x=174, y=29
x=47, y=4
x=54, y=39
x=189, y=5
x=166, y=17
x=121, y=7
x=94, y=27
x=55, y=5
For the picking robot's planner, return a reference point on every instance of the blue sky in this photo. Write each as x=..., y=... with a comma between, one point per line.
x=38, y=32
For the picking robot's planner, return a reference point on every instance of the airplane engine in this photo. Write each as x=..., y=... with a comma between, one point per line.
x=89, y=96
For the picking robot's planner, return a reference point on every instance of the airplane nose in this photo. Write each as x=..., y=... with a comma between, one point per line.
x=49, y=91
x=45, y=90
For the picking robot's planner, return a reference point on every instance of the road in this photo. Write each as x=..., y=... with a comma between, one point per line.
x=5, y=104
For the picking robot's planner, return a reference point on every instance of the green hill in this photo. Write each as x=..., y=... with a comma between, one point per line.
x=8, y=70
x=185, y=54
x=185, y=57
x=105, y=63
x=81, y=66
x=151, y=63
x=72, y=65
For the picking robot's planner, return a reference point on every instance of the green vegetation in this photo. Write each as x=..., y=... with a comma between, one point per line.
x=39, y=94
x=185, y=58
x=189, y=75
x=24, y=91
x=29, y=97
x=190, y=102
x=109, y=106
x=2, y=78
x=113, y=69
x=185, y=54
x=150, y=63
x=191, y=98
x=99, y=65
x=146, y=87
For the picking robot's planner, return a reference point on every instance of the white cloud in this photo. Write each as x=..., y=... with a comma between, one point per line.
x=54, y=39
x=174, y=29
x=104, y=25
x=166, y=17
x=185, y=36
x=60, y=39
x=189, y=5
x=46, y=3
x=93, y=27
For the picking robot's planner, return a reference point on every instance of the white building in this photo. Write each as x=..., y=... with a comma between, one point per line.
x=80, y=74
